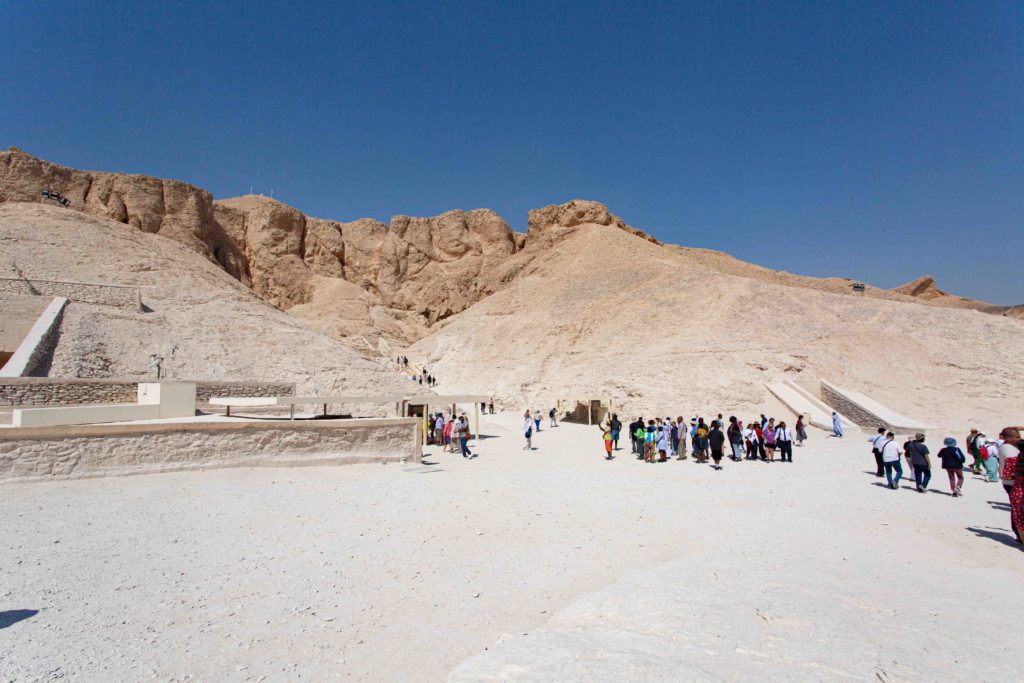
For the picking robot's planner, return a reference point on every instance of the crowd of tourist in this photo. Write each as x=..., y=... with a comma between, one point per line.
x=657, y=439
x=449, y=432
x=422, y=377
x=994, y=460
x=766, y=439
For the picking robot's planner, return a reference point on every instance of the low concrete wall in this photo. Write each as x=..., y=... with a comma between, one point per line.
x=157, y=400
x=49, y=453
x=38, y=343
x=49, y=391
x=127, y=298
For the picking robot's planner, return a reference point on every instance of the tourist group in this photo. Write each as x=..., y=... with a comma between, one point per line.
x=995, y=460
x=657, y=440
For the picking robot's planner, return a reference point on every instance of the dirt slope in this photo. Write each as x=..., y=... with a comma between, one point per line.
x=219, y=329
x=609, y=313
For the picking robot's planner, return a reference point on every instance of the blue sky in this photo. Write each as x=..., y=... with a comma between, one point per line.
x=875, y=140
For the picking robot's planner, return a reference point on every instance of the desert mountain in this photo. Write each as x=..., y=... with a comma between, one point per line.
x=206, y=324
x=580, y=305
x=608, y=314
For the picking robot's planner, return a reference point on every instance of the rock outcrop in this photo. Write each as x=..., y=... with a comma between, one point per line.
x=924, y=289
x=170, y=208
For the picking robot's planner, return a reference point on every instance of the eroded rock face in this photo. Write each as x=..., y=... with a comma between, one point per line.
x=169, y=208
x=430, y=267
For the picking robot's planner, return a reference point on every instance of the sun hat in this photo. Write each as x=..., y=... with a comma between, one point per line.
x=919, y=436
x=949, y=441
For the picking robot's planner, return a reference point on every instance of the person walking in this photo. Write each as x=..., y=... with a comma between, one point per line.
x=1017, y=496
x=922, y=463
x=1009, y=451
x=876, y=449
x=991, y=454
x=735, y=435
x=536, y=419
x=461, y=429
x=953, y=459
x=606, y=434
x=490, y=405
x=553, y=416
x=974, y=450
x=716, y=441
x=801, y=430
x=837, y=426
x=616, y=426
x=891, y=460
x=784, y=440
x=528, y=431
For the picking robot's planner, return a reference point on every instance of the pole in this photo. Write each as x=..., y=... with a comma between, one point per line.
x=590, y=412
x=476, y=420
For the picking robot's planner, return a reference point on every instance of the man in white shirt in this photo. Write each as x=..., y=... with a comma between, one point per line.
x=439, y=430
x=891, y=459
x=876, y=442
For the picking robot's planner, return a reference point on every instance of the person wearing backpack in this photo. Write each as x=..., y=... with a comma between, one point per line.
x=553, y=415
x=974, y=449
x=528, y=430
x=639, y=433
x=700, y=442
x=953, y=460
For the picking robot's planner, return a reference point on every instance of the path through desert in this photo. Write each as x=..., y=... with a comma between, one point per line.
x=546, y=565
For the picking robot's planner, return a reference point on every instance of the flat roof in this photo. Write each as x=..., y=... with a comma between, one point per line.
x=428, y=399
x=297, y=400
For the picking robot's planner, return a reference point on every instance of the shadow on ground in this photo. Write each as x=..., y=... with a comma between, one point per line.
x=13, y=616
x=996, y=535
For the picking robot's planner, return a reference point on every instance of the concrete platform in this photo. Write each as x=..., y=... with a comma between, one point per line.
x=64, y=452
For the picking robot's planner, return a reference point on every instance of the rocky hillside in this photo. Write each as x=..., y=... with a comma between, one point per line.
x=206, y=324
x=609, y=314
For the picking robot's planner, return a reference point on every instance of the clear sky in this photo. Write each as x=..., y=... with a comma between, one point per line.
x=875, y=140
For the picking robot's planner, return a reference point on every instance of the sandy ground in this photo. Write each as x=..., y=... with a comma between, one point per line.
x=547, y=565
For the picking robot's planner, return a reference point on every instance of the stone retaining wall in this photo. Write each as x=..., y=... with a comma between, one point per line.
x=851, y=411
x=49, y=453
x=33, y=353
x=127, y=298
x=48, y=391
